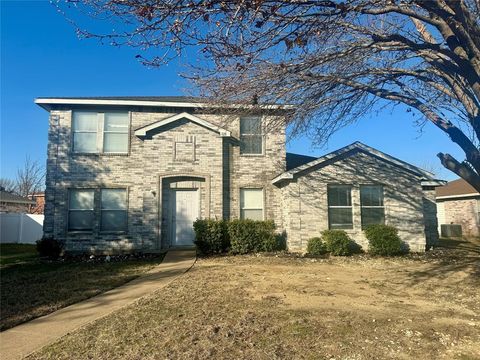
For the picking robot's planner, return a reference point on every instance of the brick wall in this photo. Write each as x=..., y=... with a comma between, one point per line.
x=305, y=206
x=465, y=213
x=180, y=150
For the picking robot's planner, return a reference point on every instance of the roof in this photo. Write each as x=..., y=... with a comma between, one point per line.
x=456, y=188
x=7, y=197
x=356, y=146
x=295, y=160
x=153, y=101
x=146, y=129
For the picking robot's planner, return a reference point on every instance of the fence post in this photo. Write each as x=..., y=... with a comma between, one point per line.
x=20, y=230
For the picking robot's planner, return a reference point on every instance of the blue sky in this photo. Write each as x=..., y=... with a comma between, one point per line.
x=42, y=56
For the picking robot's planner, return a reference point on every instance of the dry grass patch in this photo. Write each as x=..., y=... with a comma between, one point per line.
x=31, y=287
x=259, y=307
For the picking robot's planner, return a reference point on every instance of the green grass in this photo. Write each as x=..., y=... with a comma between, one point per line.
x=16, y=253
x=32, y=287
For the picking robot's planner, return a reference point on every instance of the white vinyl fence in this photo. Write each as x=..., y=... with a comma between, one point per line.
x=20, y=228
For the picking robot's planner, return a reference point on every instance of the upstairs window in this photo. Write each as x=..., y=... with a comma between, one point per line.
x=96, y=132
x=115, y=133
x=251, y=204
x=85, y=129
x=114, y=210
x=371, y=202
x=340, y=215
x=80, y=210
x=251, y=139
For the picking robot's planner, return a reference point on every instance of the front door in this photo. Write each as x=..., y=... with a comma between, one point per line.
x=185, y=210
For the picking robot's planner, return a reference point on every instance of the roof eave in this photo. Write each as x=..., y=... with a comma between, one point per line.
x=143, y=131
x=435, y=182
x=47, y=103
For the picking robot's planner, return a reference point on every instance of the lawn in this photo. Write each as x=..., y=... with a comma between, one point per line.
x=31, y=287
x=286, y=307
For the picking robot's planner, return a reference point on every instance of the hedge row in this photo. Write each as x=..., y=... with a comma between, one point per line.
x=236, y=236
x=382, y=240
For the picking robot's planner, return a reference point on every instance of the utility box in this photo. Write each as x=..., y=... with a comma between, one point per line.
x=451, y=230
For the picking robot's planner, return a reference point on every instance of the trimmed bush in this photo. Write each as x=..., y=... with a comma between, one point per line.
x=49, y=247
x=383, y=240
x=316, y=246
x=248, y=236
x=211, y=236
x=337, y=242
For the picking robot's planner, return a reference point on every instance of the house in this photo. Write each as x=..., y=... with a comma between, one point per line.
x=39, y=198
x=133, y=173
x=12, y=203
x=459, y=203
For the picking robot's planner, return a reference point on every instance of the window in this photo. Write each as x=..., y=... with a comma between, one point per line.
x=251, y=140
x=371, y=202
x=251, y=204
x=85, y=126
x=115, y=133
x=114, y=210
x=95, y=132
x=340, y=207
x=80, y=210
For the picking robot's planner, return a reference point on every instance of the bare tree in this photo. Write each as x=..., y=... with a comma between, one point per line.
x=30, y=178
x=7, y=185
x=335, y=60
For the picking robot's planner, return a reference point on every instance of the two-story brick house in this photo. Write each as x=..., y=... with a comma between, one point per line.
x=133, y=173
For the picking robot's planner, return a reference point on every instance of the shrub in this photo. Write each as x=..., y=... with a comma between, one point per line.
x=49, y=247
x=383, y=240
x=211, y=236
x=337, y=242
x=252, y=236
x=316, y=246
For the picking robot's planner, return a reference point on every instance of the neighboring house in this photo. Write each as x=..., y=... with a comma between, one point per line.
x=11, y=203
x=39, y=206
x=459, y=203
x=133, y=173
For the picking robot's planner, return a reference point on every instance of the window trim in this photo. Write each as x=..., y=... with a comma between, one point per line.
x=371, y=206
x=101, y=210
x=69, y=192
x=73, y=132
x=350, y=187
x=100, y=138
x=261, y=135
x=253, y=187
x=97, y=204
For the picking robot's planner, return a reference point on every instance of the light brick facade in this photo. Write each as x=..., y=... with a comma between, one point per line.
x=185, y=154
x=305, y=206
x=465, y=212
x=181, y=152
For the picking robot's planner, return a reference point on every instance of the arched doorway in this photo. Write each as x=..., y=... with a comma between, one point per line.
x=184, y=199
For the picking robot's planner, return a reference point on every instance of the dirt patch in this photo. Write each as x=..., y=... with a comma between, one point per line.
x=257, y=307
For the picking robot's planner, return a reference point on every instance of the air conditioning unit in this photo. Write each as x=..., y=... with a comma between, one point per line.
x=451, y=230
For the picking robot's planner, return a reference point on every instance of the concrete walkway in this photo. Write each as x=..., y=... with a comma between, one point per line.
x=26, y=338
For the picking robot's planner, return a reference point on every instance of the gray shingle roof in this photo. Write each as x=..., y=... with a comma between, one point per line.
x=294, y=160
x=7, y=197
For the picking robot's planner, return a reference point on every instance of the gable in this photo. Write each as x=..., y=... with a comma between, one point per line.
x=163, y=123
x=347, y=152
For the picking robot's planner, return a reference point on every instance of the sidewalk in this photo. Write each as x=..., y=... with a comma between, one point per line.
x=24, y=339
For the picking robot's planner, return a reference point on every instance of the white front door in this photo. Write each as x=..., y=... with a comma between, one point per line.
x=185, y=211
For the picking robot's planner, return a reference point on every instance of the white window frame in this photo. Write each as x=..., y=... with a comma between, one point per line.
x=96, y=132
x=371, y=206
x=243, y=208
x=125, y=229
x=100, y=139
x=350, y=187
x=92, y=210
x=261, y=135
